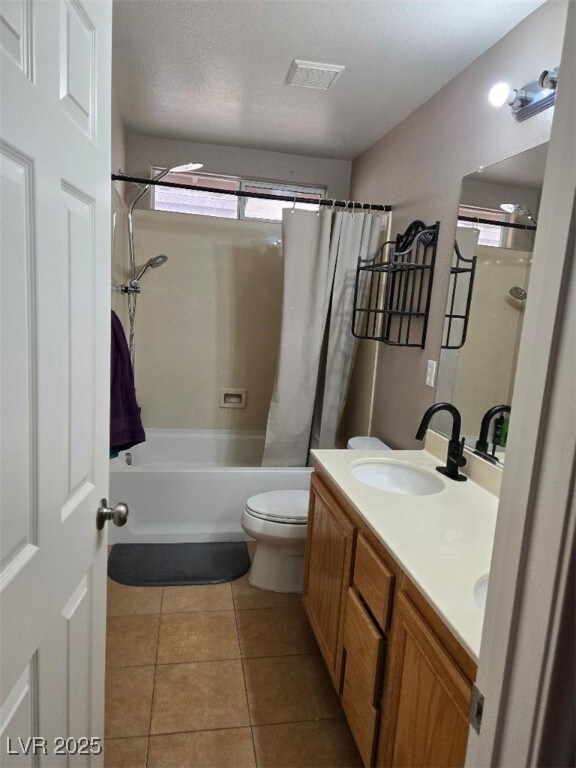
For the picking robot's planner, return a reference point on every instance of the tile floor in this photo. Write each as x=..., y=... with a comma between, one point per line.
x=220, y=676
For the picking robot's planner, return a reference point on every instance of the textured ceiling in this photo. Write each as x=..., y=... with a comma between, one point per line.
x=214, y=70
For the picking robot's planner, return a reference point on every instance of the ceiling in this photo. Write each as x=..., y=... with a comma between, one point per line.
x=214, y=70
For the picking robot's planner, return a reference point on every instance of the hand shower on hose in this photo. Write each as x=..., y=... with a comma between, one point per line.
x=153, y=263
x=133, y=287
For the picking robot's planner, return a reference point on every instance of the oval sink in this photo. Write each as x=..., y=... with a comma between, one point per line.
x=481, y=591
x=396, y=477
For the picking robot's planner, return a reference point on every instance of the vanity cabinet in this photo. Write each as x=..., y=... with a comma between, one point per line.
x=427, y=698
x=327, y=573
x=403, y=679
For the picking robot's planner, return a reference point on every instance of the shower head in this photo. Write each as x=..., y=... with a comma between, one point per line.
x=157, y=261
x=518, y=293
x=518, y=209
x=153, y=263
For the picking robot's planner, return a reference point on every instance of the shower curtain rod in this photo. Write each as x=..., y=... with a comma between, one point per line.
x=494, y=223
x=259, y=195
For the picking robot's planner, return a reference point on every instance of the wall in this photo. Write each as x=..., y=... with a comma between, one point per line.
x=144, y=152
x=419, y=167
x=209, y=318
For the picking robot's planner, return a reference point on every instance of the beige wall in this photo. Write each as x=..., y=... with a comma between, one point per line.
x=419, y=167
x=209, y=318
x=145, y=152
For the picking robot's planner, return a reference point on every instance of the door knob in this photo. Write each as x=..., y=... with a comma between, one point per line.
x=118, y=515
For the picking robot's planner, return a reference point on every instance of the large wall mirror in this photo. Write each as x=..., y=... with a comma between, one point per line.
x=498, y=217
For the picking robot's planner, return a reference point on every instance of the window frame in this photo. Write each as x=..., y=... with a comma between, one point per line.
x=280, y=187
x=296, y=190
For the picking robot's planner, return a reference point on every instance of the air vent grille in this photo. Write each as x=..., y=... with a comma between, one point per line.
x=311, y=74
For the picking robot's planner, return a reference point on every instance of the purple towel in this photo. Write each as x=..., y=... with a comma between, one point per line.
x=126, y=427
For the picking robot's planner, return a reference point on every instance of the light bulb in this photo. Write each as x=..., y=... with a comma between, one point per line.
x=499, y=94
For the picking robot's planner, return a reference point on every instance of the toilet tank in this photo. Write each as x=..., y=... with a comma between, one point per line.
x=365, y=443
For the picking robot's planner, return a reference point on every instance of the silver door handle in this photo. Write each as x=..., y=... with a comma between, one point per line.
x=118, y=515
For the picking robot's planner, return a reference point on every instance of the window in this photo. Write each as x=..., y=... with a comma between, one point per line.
x=230, y=206
x=271, y=210
x=490, y=234
x=193, y=201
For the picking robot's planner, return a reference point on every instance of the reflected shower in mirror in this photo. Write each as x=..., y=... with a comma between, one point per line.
x=497, y=222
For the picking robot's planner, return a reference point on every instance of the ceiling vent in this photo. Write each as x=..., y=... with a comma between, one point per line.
x=310, y=74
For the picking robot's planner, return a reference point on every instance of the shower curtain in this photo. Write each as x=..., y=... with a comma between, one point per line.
x=316, y=343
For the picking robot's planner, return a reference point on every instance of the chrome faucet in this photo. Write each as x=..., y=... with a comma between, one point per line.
x=482, y=442
x=454, y=458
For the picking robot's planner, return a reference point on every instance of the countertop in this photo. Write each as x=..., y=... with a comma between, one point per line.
x=443, y=541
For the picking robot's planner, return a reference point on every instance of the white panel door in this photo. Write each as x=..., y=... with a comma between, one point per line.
x=54, y=375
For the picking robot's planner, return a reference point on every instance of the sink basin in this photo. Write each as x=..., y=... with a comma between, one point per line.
x=396, y=477
x=481, y=591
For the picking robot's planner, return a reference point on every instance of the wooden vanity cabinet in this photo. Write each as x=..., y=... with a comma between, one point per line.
x=327, y=574
x=427, y=698
x=403, y=678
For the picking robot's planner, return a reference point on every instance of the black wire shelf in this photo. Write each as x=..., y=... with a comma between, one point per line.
x=393, y=288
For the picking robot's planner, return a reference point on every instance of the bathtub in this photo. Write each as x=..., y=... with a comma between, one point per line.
x=191, y=485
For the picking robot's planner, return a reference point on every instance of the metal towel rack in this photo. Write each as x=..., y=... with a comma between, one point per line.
x=393, y=288
x=457, y=317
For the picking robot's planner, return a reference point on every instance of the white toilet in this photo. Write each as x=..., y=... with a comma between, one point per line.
x=278, y=522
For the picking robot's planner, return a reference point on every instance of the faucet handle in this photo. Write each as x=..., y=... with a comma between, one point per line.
x=461, y=460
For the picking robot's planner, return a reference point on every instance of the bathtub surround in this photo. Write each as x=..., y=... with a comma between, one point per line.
x=209, y=320
x=419, y=166
x=321, y=252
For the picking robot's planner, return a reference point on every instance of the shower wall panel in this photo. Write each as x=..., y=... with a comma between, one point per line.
x=208, y=319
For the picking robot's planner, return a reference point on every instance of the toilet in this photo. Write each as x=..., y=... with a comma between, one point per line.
x=278, y=522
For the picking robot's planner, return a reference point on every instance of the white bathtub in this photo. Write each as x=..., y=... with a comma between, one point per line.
x=191, y=485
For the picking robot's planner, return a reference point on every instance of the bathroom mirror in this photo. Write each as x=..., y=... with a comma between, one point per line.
x=478, y=371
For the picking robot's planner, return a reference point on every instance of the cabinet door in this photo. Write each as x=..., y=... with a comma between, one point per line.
x=364, y=648
x=329, y=551
x=428, y=699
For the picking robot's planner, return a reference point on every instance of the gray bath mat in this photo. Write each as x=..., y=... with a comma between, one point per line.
x=169, y=565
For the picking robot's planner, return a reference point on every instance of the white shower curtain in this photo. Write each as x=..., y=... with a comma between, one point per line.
x=320, y=257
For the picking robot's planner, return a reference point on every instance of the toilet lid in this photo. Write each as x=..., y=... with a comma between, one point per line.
x=285, y=506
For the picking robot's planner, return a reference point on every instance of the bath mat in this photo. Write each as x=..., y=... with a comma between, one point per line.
x=169, y=565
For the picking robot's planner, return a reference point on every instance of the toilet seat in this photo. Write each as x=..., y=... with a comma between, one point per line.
x=288, y=507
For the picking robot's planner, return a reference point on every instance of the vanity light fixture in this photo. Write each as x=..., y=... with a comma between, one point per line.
x=534, y=97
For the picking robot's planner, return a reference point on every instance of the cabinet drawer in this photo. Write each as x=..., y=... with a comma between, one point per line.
x=374, y=582
x=364, y=648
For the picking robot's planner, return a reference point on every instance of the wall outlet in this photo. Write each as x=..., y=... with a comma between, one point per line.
x=431, y=373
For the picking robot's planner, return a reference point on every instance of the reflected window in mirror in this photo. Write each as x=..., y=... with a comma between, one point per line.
x=488, y=234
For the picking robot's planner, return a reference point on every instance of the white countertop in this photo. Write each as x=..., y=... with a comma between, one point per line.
x=443, y=541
